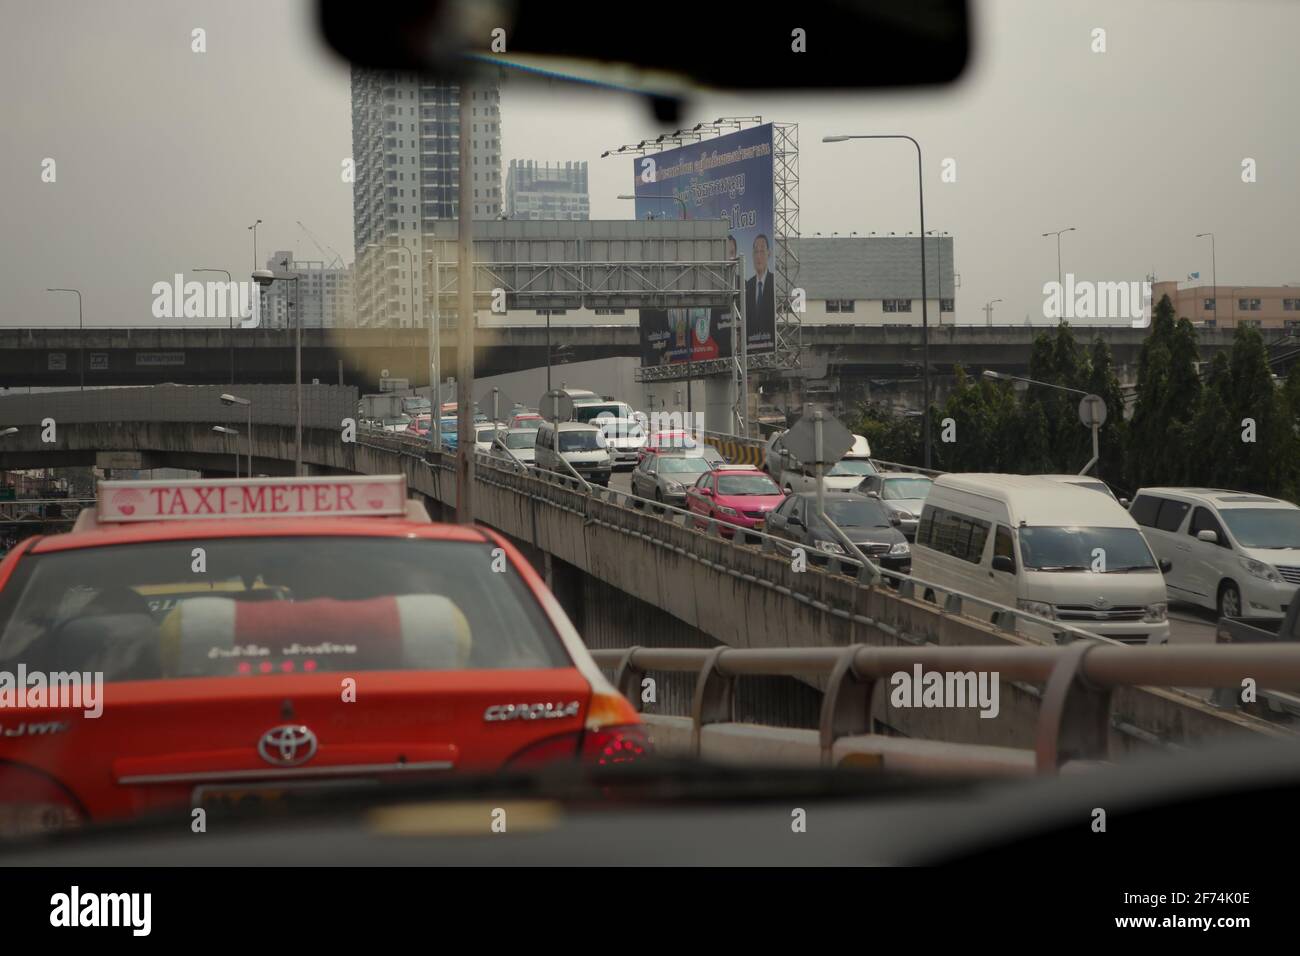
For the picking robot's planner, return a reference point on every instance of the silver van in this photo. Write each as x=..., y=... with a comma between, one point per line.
x=582, y=446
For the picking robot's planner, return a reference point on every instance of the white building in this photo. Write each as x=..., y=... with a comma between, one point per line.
x=546, y=191
x=323, y=297
x=406, y=145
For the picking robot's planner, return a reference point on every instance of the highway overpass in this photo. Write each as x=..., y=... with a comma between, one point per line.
x=631, y=576
x=42, y=357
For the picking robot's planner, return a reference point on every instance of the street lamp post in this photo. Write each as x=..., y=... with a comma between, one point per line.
x=1057, y=234
x=1096, y=421
x=81, y=337
x=253, y=227
x=266, y=277
x=925, y=312
x=1214, y=273
x=234, y=432
x=229, y=282
x=248, y=405
x=988, y=311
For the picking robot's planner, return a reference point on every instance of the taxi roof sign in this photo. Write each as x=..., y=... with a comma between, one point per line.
x=352, y=496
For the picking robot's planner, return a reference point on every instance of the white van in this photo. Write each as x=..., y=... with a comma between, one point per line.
x=1233, y=551
x=582, y=446
x=1055, y=550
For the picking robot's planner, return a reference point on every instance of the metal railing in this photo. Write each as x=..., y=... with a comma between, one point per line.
x=1074, y=720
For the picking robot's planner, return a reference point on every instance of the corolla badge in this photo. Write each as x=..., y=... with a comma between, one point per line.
x=287, y=745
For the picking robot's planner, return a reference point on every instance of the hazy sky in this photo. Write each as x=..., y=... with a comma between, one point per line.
x=165, y=156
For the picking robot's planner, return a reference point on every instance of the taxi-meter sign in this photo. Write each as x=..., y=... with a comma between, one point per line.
x=801, y=440
x=340, y=497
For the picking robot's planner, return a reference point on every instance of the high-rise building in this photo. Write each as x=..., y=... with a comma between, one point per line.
x=547, y=192
x=323, y=297
x=406, y=146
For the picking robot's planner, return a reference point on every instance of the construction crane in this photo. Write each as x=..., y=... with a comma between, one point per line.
x=337, y=261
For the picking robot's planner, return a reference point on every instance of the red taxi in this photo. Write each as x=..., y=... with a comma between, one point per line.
x=734, y=496
x=252, y=637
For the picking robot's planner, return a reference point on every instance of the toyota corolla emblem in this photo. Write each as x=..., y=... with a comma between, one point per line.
x=287, y=745
x=1100, y=602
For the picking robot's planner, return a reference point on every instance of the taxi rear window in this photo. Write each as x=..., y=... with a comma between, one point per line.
x=262, y=605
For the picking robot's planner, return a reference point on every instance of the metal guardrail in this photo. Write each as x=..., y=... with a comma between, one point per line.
x=1074, y=720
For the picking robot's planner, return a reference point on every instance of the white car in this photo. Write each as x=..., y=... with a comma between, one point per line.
x=515, y=444
x=484, y=435
x=845, y=475
x=624, y=438
x=903, y=493
x=1233, y=551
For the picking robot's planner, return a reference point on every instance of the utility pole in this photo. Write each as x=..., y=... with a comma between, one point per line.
x=465, y=345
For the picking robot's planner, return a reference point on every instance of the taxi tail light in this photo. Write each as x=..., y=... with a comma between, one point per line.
x=613, y=734
x=31, y=804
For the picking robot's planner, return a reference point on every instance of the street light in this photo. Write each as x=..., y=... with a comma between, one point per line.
x=222, y=429
x=925, y=312
x=1214, y=272
x=230, y=282
x=8, y=431
x=680, y=200
x=265, y=277
x=254, y=228
x=1057, y=234
x=1096, y=406
x=228, y=400
x=81, y=336
x=988, y=311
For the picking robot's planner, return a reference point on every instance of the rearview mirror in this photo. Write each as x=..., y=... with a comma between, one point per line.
x=1207, y=535
x=912, y=42
x=1165, y=566
x=1003, y=563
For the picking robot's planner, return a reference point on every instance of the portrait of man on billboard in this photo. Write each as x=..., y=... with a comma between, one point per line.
x=760, y=291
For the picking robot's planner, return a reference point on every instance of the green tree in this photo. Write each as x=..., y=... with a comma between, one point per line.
x=1168, y=392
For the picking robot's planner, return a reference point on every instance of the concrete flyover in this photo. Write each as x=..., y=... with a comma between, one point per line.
x=43, y=357
x=627, y=576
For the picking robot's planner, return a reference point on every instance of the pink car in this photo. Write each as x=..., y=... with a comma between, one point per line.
x=738, y=495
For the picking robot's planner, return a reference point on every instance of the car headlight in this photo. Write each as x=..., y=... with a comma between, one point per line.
x=830, y=547
x=1037, y=607
x=672, y=486
x=1156, y=613
x=900, y=547
x=1261, y=570
x=723, y=509
x=905, y=515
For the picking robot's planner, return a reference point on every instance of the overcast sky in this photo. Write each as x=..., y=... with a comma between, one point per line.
x=165, y=156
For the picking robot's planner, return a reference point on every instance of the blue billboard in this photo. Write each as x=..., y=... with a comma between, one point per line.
x=728, y=177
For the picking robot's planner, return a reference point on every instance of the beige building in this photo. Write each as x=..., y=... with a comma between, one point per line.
x=1265, y=307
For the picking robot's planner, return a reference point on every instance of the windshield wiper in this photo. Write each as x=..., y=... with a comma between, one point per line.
x=1059, y=567
x=1131, y=567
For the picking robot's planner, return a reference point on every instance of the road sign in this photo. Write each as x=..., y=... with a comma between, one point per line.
x=98, y=361
x=58, y=362
x=1092, y=410
x=120, y=460
x=556, y=406
x=801, y=440
x=394, y=384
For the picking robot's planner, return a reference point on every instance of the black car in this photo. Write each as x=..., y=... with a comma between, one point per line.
x=866, y=522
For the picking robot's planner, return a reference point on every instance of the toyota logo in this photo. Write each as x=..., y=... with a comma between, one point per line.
x=1100, y=602
x=287, y=745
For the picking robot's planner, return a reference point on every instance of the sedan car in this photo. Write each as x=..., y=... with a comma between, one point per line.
x=903, y=493
x=845, y=475
x=665, y=477
x=865, y=522
x=515, y=444
x=624, y=438
x=223, y=680
x=735, y=496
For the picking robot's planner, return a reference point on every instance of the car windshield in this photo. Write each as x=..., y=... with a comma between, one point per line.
x=851, y=466
x=747, y=485
x=905, y=488
x=1270, y=528
x=586, y=413
x=271, y=605
x=1084, y=549
x=520, y=439
x=683, y=465
x=581, y=441
x=485, y=434
x=856, y=513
